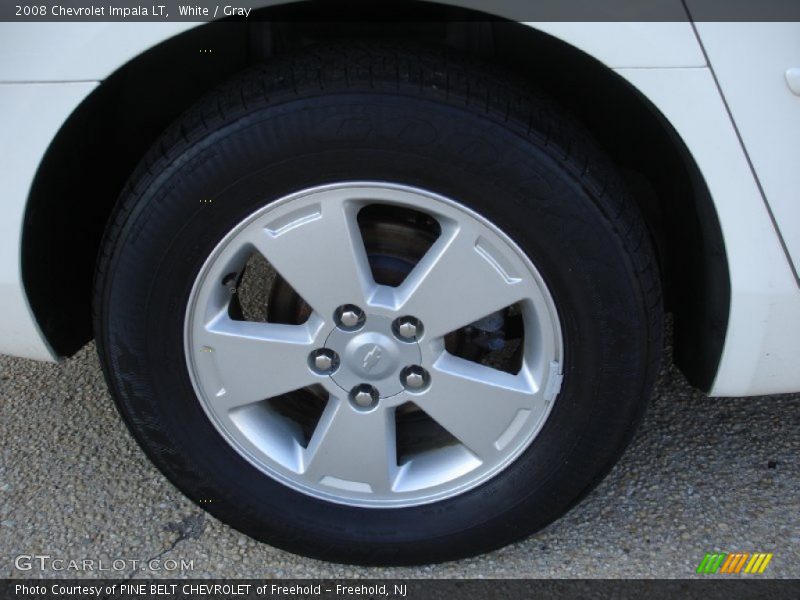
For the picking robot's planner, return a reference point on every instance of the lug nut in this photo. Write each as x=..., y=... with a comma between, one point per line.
x=324, y=361
x=414, y=378
x=407, y=329
x=349, y=317
x=363, y=398
x=364, y=395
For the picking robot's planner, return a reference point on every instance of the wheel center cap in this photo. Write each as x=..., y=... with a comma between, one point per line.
x=372, y=355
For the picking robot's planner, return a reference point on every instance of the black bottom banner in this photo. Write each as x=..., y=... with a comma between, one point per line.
x=413, y=589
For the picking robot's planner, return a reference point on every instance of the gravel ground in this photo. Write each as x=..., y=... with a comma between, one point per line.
x=701, y=475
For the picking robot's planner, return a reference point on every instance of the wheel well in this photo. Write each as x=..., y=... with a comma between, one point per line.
x=87, y=164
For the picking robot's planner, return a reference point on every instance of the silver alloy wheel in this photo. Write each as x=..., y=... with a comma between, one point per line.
x=312, y=239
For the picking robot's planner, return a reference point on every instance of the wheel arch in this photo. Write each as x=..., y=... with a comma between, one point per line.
x=76, y=186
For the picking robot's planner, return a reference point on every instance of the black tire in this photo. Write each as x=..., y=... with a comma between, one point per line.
x=372, y=111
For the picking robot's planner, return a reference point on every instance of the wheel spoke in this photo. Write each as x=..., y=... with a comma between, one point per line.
x=475, y=403
x=457, y=282
x=350, y=447
x=255, y=361
x=321, y=254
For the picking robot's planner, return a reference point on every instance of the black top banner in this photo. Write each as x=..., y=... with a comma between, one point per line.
x=399, y=10
x=372, y=589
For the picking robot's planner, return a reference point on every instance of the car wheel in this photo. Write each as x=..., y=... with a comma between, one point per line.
x=379, y=304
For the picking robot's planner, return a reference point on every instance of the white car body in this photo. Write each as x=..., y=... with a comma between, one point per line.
x=725, y=88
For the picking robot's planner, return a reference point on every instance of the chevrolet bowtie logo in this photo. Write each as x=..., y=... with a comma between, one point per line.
x=372, y=357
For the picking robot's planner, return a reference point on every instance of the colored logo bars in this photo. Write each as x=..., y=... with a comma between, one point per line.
x=734, y=562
